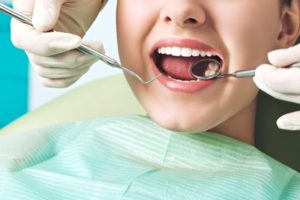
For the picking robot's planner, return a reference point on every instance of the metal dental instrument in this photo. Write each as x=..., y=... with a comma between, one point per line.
x=82, y=48
x=202, y=71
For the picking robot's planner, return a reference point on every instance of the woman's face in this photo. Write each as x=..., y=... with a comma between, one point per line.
x=239, y=32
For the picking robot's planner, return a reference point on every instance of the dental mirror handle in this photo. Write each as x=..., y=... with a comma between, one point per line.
x=251, y=73
x=244, y=73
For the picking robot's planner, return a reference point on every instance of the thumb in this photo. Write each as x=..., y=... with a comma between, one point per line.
x=285, y=57
x=45, y=14
x=290, y=121
x=96, y=45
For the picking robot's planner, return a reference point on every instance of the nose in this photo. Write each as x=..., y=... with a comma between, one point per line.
x=183, y=13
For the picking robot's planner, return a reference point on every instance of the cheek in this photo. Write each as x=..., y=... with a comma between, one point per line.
x=134, y=20
x=251, y=35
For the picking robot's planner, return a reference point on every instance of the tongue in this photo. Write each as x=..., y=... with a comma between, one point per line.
x=178, y=67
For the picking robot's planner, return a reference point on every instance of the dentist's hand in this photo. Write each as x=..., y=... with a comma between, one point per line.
x=282, y=83
x=52, y=54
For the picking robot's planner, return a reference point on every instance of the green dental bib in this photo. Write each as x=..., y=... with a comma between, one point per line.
x=131, y=157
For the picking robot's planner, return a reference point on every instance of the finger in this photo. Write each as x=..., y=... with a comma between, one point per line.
x=98, y=46
x=60, y=73
x=281, y=96
x=60, y=82
x=281, y=80
x=24, y=6
x=68, y=60
x=289, y=121
x=25, y=37
x=75, y=58
x=284, y=57
x=45, y=14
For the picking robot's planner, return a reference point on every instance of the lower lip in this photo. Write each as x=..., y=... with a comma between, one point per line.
x=180, y=86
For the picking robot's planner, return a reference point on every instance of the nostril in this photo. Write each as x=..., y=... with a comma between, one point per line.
x=168, y=19
x=191, y=21
x=187, y=21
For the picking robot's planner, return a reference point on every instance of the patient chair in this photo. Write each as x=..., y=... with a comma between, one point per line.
x=112, y=96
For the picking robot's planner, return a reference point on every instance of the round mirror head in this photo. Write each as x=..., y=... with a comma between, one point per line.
x=206, y=69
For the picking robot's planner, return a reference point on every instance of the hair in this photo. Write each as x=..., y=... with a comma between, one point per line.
x=286, y=2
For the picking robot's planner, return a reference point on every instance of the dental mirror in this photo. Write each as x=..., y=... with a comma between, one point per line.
x=206, y=69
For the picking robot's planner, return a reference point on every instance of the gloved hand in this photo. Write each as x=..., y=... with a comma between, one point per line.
x=52, y=54
x=282, y=83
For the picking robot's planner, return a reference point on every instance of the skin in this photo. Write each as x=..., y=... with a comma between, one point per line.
x=227, y=106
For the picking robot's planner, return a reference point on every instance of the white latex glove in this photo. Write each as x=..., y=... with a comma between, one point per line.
x=52, y=54
x=282, y=83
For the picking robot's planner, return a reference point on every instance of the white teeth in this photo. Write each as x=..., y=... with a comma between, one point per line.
x=203, y=54
x=184, y=52
x=176, y=51
x=184, y=81
x=213, y=66
x=196, y=53
x=168, y=50
x=209, y=72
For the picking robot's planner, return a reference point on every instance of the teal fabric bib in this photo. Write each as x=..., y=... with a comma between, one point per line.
x=132, y=158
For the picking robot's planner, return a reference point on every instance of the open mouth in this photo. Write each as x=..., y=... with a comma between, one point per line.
x=176, y=62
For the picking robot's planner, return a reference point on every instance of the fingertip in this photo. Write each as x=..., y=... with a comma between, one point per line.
x=262, y=70
x=61, y=42
x=42, y=21
x=96, y=45
x=277, y=57
x=259, y=82
x=263, y=67
x=100, y=47
x=256, y=80
x=45, y=15
x=284, y=57
x=284, y=124
x=289, y=122
x=281, y=123
x=18, y=30
x=43, y=27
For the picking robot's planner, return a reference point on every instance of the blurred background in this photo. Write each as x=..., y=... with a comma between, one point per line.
x=19, y=85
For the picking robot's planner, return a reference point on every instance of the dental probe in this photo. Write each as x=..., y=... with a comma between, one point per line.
x=82, y=48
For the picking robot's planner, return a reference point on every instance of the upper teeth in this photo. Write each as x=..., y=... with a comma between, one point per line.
x=185, y=52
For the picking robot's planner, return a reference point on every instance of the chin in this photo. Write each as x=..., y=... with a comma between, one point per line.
x=177, y=124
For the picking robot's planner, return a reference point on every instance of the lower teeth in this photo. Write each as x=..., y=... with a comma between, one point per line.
x=194, y=80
